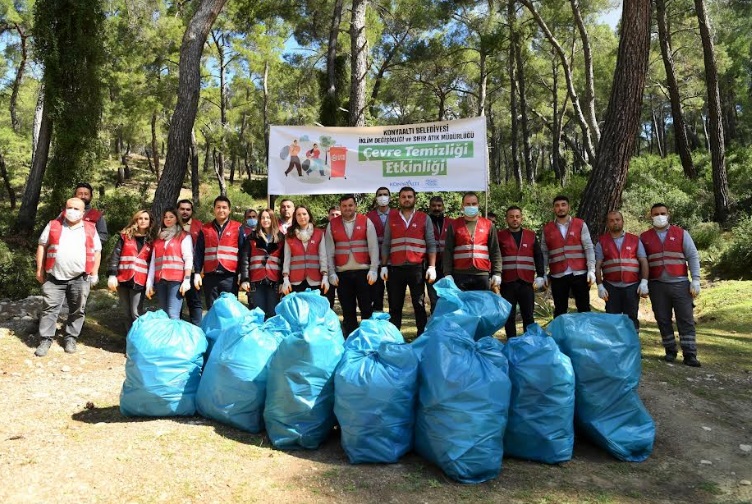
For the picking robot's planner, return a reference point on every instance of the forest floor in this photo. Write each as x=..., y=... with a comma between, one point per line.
x=63, y=438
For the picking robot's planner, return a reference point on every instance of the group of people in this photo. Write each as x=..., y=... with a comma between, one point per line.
x=362, y=256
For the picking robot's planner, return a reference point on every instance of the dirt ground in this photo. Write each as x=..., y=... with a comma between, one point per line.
x=63, y=440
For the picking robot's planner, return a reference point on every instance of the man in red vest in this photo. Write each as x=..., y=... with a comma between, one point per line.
x=84, y=192
x=192, y=226
x=670, y=250
x=621, y=269
x=217, y=253
x=521, y=269
x=472, y=253
x=440, y=226
x=352, y=249
x=378, y=216
x=68, y=257
x=286, y=212
x=332, y=213
x=408, y=243
x=568, y=254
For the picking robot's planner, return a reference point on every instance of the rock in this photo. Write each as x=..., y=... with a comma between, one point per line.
x=745, y=447
x=65, y=369
x=745, y=482
x=706, y=462
x=27, y=317
x=89, y=405
x=706, y=428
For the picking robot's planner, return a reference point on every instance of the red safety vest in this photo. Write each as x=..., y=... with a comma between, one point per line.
x=373, y=215
x=669, y=254
x=620, y=265
x=471, y=250
x=168, y=261
x=195, y=229
x=357, y=243
x=134, y=263
x=53, y=241
x=563, y=254
x=440, y=235
x=263, y=265
x=408, y=242
x=304, y=261
x=222, y=250
x=517, y=262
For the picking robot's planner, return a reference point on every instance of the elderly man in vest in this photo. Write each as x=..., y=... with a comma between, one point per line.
x=670, y=249
x=217, y=252
x=378, y=216
x=440, y=227
x=68, y=259
x=471, y=252
x=408, y=243
x=352, y=249
x=621, y=269
x=193, y=226
x=569, y=256
x=521, y=269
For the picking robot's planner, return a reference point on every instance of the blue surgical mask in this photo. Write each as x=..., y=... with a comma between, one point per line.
x=251, y=222
x=470, y=211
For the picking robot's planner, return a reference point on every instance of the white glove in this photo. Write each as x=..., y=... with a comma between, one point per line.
x=93, y=279
x=197, y=281
x=333, y=279
x=286, y=287
x=495, y=281
x=324, y=284
x=371, y=277
x=539, y=283
x=603, y=292
x=149, y=289
x=590, y=278
x=112, y=282
x=245, y=286
x=384, y=273
x=694, y=288
x=185, y=286
x=642, y=289
x=431, y=274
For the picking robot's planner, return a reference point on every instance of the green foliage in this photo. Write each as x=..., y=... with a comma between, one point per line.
x=119, y=206
x=706, y=235
x=17, y=272
x=256, y=188
x=736, y=259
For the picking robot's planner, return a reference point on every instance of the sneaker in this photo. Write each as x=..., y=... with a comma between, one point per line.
x=670, y=356
x=43, y=347
x=691, y=361
x=70, y=345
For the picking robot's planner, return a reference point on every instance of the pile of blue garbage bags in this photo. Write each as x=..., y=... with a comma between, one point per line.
x=457, y=396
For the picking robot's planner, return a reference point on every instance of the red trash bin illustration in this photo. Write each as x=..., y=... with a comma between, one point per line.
x=338, y=161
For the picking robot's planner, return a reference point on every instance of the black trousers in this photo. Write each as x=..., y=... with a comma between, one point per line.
x=353, y=288
x=433, y=297
x=400, y=278
x=215, y=284
x=331, y=295
x=560, y=288
x=377, y=294
x=623, y=300
x=471, y=282
x=518, y=292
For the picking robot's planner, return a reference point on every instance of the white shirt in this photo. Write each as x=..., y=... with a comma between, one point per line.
x=70, y=258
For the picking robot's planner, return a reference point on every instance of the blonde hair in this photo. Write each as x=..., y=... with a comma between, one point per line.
x=132, y=228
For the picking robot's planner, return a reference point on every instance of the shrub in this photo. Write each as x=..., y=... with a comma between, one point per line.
x=17, y=272
x=706, y=235
x=256, y=188
x=736, y=260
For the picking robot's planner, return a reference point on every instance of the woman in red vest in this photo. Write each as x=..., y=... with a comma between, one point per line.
x=305, y=263
x=128, y=268
x=261, y=263
x=171, y=264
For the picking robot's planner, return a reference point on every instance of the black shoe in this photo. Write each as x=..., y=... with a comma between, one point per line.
x=670, y=356
x=43, y=347
x=691, y=361
x=70, y=345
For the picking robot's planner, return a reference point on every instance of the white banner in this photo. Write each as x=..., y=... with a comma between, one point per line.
x=437, y=156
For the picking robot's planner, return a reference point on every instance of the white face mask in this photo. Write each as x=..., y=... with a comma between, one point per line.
x=470, y=211
x=382, y=200
x=660, y=221
x=73, y=215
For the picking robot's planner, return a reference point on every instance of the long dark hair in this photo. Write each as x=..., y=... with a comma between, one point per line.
x=274, y=227
x=295, y=225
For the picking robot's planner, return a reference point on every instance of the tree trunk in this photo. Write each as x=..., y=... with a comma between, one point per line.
x=15, y=123
x=233, y=162
x=330, y=107
x=516, y=172
x=195, y=194
x=529, y=167
x=38, y=115
x=27, y=214
x=154, y=150
x=606, y=183
x=587, y=57
x=482, y=83
x=189, y=88
x=219, y=170
x=557, y=122
x=266, y=113
x=715, y=132
x=358, y=63
x=6, y=182
x=681, y=142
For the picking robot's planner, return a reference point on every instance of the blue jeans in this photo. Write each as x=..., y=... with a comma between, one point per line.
x=169, y=298
x=266, y=297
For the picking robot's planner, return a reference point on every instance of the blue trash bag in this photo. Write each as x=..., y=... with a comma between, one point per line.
x=456, y=323
x=375, y=388
x=605, y=353
x=162, y=367
x=225, y=313
x=233, y=384
x=489, y=308
x=463, y=402
x=541, y=411
x=299, y=410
